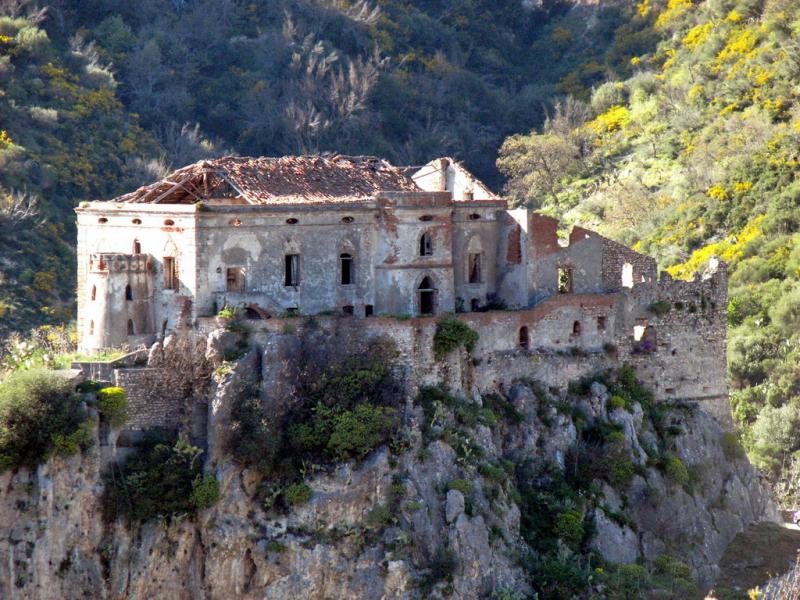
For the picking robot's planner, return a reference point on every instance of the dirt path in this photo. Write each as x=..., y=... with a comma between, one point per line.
x=755, y=556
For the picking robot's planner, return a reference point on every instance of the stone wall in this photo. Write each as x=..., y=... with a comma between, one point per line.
x=146, y=410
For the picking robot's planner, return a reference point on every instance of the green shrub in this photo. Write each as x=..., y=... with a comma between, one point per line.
x=379, y=517
x=569, y=528
x=37, y=411
x=228, y=312
x=493, y=472
x=461, y=485
x=205, y=491
x=80, y=439
x=441, y=567
x=616, y=402
x=253, y=440
x=452, y=333
x=357, y=432
x=112, y=403
x=297, y=493
x=676, y=470
x=157, y=480
x=731, y=446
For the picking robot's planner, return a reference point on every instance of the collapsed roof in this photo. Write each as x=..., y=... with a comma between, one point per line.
x=290, y=179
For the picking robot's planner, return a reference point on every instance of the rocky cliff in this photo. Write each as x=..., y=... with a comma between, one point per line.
x=488, y=496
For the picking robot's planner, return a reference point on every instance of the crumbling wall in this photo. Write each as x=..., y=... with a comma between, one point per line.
x=147, y=410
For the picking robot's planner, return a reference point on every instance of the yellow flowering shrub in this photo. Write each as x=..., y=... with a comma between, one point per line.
x=614, y=119
x=741, y=42
x=674, y=10
x=728, y=250
x=743, y=186
x=734, y=17
x=697, y=35
x=5, y=139
x=717, y=192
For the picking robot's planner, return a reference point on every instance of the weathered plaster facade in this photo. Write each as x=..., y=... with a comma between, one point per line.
x=356, y=236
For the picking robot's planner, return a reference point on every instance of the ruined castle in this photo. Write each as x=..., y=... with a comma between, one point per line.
x=356, y=239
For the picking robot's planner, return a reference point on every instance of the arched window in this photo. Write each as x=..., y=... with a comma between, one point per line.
x=576, y=328
x=128, y=293
x=137, y=247
x=94, y=292
x=131, y=330
x=426, y=244
x=346, y=269
x=427, y=297
x=524, y=338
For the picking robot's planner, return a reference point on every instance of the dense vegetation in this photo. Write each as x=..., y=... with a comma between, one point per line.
x=695, y=155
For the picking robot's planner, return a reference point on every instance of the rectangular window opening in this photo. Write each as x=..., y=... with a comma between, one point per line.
x=564, y=280
x=475, y=268
x=346, y=268
x=601, y=323
x=291, y=270
x=235, y=279
x=170, y=273
x=369, y=310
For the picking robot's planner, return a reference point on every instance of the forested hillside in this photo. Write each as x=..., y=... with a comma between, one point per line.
x=97, y=96
x=694, y=155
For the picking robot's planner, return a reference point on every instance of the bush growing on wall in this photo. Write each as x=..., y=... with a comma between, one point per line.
x=39, y=415
x=452, y=333
x=112, y=403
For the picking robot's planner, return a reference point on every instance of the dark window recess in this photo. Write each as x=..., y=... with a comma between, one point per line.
x=170, y=273
x=427, y=297
x=292, y=221
x=369, y=310
x=475, y=268
x=91, y=327
x=564, y=280
x=94, y=292
x=474, y=305
x=474, y=216
x=524, y=339
x=137, y=247
x=137, y=221
x=128, y=293
x=346, y=269
x=347, y=219
x=348, y=310
x=291, y=276
x=576, y=328
x=131, y=330
x=235, y=279
x=426, y=244
x=426, y=218
x=601, y=323
x=169, y=222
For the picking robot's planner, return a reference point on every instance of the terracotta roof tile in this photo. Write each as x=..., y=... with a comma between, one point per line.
x=290, y=179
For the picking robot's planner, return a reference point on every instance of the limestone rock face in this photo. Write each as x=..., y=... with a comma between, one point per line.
x=614, y=542
x=454, y=506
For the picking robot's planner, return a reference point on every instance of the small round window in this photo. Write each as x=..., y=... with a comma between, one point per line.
x=347, y=219
x=169, y=222
x=235, y=222
x=474, y=216
x=102, y=220
x=137, y=221
x=292, y=221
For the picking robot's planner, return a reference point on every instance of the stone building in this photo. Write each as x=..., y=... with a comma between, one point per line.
x=314, y=235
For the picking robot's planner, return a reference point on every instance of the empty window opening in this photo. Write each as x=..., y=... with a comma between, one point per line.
x=235, y=222
x=346, y=268
x=474, y=305
x=137, y=247
x=524, y=338
x=669, y=391
x=475, y=268
x=601, y=323
x=576, y=328
x=137, y=221
x=131, y=330
x=426, y=244
x=252, y=314
x=291, y=275
x=164, y=329
x=102, y=220
x=627, y=275
x=94, y=292
x=474, y=216
x=235, y=280
x=292, y=221
x=348, y=310
x=426, y=218
x=347, y=219
x=427, y=297
x=169, y=222
x=170, y=273
x=564, y=280
x=128, y=292
x=369, y=310
x=91, y=327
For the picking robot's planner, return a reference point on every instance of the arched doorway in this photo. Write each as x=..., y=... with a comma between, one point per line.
x=427, y=297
